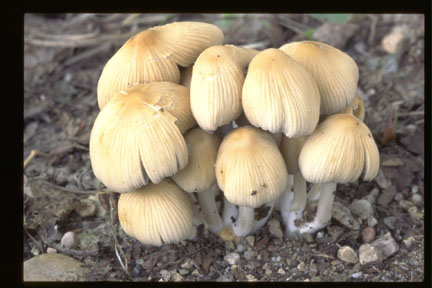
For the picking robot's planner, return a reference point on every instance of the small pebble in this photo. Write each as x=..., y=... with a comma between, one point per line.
x=417, y=199
x=187, y=264
x=250, y=240
x=137, y=271
x=357, y=274
x=347, y=254
x=281, y=271
x=369, y=254
x=398, y=197
x=405, y=204
x=390, y=222
x=414, y=189
x=183, y=271
x=372, y=221
x=69, y=240
x=387, y=245
x=240, y=247
x=362, y=208
x=409, y=241
x=301, y=266
x=268, y=272
x=176, y=277
x=368, y=234
x=166, y=275
x=248, y=255
x=232, y=258
x=250, y=277
x=51, y=250
x=229, y=245
x=86, y=208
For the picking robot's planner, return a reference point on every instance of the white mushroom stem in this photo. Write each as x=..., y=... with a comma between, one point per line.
x=261, y=222
x=289, y=216
x=314, y=192
x=209, y=209
x=300, y=192
x=245, y=221
x=230, y=213
x=324, y=211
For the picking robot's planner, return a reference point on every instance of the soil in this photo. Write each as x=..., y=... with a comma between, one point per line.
x=64, y=56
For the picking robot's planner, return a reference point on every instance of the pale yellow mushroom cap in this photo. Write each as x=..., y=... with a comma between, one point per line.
x=199, y=174
x=334, y=71
x=156, y=214
x=216, y=85
x=250, y=170
x=135, y=138
x=154, y=55
x=340, y=150
x=279, y=95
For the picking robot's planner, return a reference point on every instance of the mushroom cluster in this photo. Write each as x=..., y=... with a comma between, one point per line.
x=192, y=130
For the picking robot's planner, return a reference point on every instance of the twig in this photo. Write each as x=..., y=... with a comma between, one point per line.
x=74, y=252
x=65, y=42
x=87, y=54
x=117, y=246
x=59, y=188
x=372, y=28
x=33, y=153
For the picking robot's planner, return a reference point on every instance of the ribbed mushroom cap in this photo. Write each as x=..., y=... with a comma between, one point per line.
x=334, y=71
x=135, y=138
x=340, y=150
x=156, y=214
x=199, y=174
x=290, y=149
x=249, y=167
x=356, y=108
x=154, y=55
x=279, y=95
x=216, y=85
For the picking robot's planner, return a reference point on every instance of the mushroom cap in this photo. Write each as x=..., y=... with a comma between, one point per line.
x=199, y=174
x=153, y=55
x=279, y=95
x=156, y=213
x=216, y=85
x=334, y=71
x=290, y=149
x=134, y=138
x=249, y=167
x=340, y=150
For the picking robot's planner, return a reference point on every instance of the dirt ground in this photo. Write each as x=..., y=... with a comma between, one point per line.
x=64, y=56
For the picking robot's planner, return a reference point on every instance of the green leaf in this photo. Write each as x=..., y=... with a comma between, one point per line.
x=336, y=18
x=308, y=34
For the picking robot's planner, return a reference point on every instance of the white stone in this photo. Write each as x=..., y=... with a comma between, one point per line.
x=369, y=254
x=347, y=254
x=69, y=240
x=232, y=258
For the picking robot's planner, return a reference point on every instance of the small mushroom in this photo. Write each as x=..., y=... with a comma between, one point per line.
x=156, y=213
x=340, y=150
x=293, y=200
x=216, y=85
x=199, y=175
x=251, y=172
x=279, y=95
x=155, y=55
x=138, y=136
x=335, y=72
